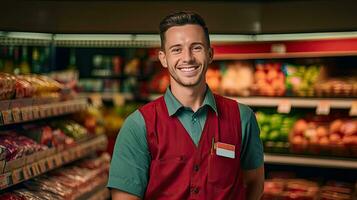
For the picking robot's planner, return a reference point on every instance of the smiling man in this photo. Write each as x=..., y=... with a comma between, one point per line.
x=189, y=143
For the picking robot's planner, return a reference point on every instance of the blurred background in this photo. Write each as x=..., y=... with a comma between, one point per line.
x=72, y=71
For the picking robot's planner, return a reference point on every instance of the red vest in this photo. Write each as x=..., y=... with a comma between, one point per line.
x=181, y=170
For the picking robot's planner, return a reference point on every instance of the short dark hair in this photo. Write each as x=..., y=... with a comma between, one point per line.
x=179, y=19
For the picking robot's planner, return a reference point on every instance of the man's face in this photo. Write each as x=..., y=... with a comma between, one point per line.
x=186, y=54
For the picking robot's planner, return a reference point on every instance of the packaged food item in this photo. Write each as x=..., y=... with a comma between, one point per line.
x=7, y=86
x=11, y=196
x=17, y=146
x=290, y=189
x=333, y=190
x=67, y=183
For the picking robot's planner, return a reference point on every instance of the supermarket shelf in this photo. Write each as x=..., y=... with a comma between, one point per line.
x=307, y=102
x=310, y=161
x=24, y=110
x=116, y=77
x=102, y=194
x=98, y=193
x=17, y=171
x=107, y=96
x=245, y=56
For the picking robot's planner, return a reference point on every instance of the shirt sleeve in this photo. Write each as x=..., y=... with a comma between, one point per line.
x=130, y=161
x=252, y=153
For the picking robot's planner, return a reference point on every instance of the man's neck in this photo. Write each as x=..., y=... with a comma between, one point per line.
x=191, y=97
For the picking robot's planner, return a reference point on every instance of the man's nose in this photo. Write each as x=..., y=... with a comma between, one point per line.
x=187, y=55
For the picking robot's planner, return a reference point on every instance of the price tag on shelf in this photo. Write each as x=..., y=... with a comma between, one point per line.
x=48, y=111
x=42, y=165
x=7, y=116
x=35, y=112
x=55, y=109
x=96, y=100
x=118, y=99
x=50, y=163
x=4, y=180
x=32, y=170
x=29, y=114
x=17, y=176
x=284, y=106
x=27, y=172
x=42, y=110
x=323, y=108
x=58, y=160
x=24, y=114
x=353, y=110
x=36, y=168
x=16, y=114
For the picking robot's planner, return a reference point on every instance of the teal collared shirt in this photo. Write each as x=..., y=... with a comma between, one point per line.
x=192, y=121
x=129, y=169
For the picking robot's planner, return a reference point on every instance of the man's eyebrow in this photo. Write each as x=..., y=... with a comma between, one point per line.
x=195, y=43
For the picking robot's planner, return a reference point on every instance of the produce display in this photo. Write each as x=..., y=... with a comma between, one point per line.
x=269, y=79
x=275, y=126
x=114, y=118
x=237, y=78
x=67, y=183
x=159, y=82
x=70, y=128
x=337, y=137
x=46, y=135
x=243, y=78
x=301, y=79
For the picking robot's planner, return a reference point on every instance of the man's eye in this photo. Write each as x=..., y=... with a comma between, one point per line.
x=176, y=50
x=197, y=48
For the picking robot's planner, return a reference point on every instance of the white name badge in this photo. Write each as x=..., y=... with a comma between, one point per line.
x=225, y=150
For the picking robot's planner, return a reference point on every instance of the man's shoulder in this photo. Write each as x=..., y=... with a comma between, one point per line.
x=244, y=109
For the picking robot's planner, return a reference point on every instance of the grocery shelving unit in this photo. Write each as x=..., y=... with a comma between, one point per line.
x=341, y=163
x=25, y=110
x=101, y=192
x=298, y=102
x=339, y=103
x=28, y=167
x=228, y=48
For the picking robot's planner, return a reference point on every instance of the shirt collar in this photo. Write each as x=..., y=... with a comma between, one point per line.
x=173, y=105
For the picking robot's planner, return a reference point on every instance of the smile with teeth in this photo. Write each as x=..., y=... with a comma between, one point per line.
x=188, y=69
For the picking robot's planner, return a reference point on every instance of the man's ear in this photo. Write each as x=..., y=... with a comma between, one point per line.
x=210, y=55
x=162, y=58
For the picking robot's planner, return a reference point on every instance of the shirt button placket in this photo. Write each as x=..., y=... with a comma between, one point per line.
x=196, y=168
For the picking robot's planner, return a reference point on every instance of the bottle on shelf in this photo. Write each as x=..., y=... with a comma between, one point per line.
x=8, y=63
x=24, y=66
x=16, y=61
x=117, y=62
x=72, y=60
x=36, y=65
x=45, y=60
x=2, y=58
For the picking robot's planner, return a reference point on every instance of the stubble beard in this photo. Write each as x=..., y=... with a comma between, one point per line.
x=190, y=84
